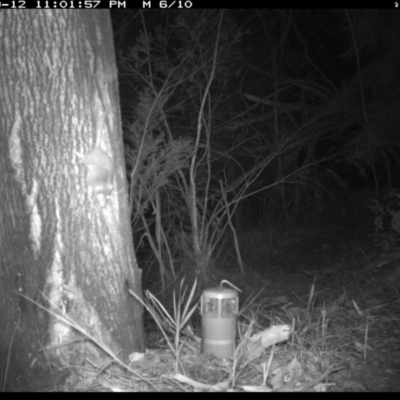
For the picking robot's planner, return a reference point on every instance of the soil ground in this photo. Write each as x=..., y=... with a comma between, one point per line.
x=356, y=277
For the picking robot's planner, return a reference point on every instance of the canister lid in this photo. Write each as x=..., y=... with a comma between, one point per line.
x=220, y=293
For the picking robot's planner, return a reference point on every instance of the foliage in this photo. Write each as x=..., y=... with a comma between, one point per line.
x=387, y=221
x=369, y=100
x=172, y=71
x=184, y=305
x=218, y=135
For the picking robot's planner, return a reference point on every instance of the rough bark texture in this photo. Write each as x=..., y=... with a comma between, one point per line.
x=65, y=238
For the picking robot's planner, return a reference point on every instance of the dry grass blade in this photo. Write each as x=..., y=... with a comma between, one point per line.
x=175, y=322
x=8, y=357
x=96, y=342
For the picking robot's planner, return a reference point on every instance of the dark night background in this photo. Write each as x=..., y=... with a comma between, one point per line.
x=297, y=168
x=326, y=80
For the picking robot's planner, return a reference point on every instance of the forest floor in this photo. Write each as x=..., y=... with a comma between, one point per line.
x=337, y=283
x=327, y=291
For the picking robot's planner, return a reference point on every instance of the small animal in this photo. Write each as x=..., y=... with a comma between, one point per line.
x=100, y=174
x=100, y=168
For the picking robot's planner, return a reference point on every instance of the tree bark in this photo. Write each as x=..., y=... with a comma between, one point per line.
x=65, y=235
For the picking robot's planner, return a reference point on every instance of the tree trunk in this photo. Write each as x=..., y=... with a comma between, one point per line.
x=66, y=240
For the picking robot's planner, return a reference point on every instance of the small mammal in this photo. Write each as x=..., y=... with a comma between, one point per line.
x=100, y=168
x=100, y=174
